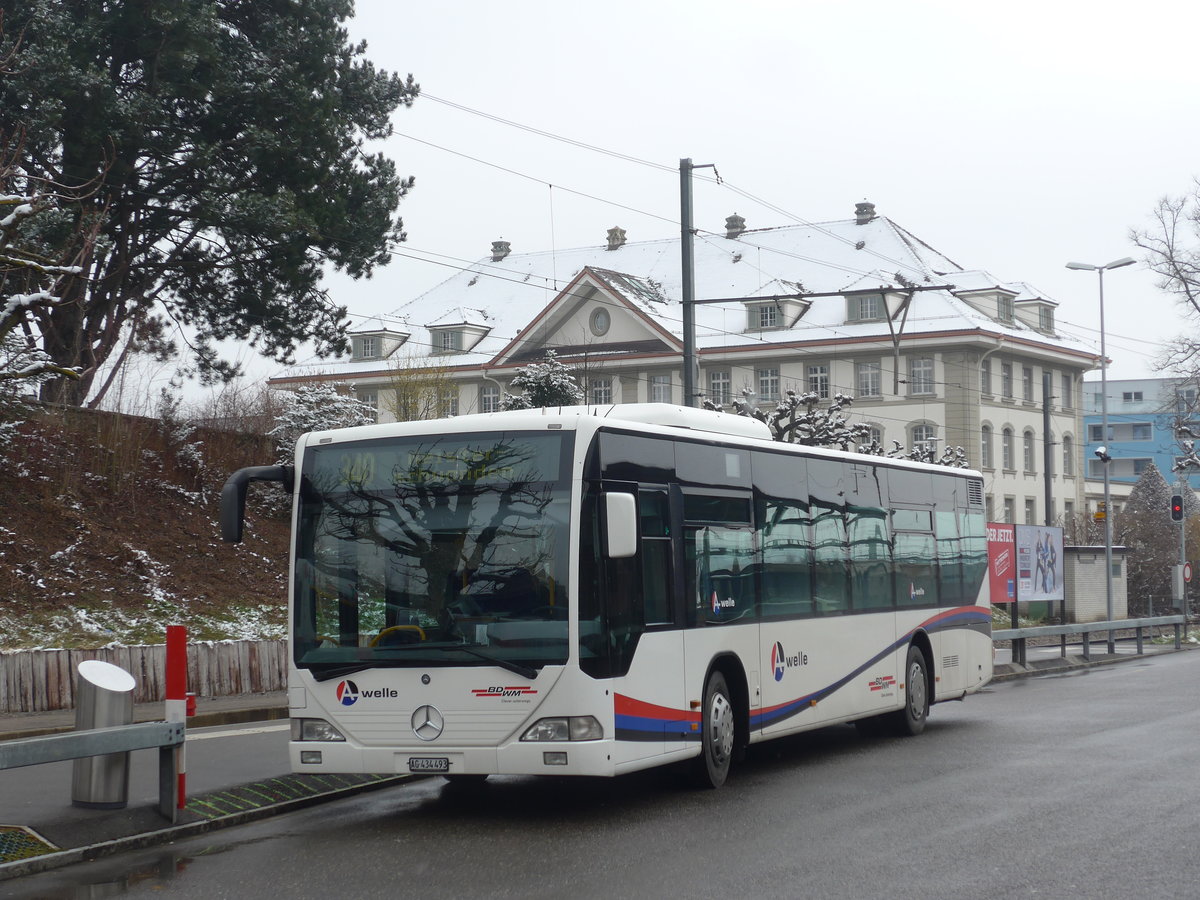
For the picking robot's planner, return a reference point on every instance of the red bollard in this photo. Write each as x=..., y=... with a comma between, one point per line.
x=177, y=698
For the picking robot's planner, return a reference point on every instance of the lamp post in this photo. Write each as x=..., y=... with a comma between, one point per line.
x=1102, y=451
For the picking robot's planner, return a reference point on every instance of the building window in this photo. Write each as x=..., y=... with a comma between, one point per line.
x=1140, y=466
x=1030, y=511
x=865, y=307
x=660, y=388
x=1045, y=318
x=1142, y=431
x=818, y=381
x=1068, y=510
x=1028, y=451
x=368, y=347
x=875, y=436
x=1027, y=383
x=489, y=398
x=768, y=316
x=371, y=399
x=985, y=378
x=1006, y=449
x=600, y=391
x=1068, y=445
x=920, y=376
x=985, y=447
x=719, y=387
x=868, y=380
x=1004, y=306
x=1010, y=510
x=1131, y=397
x=1006, y=380
x=923, y=437
x=1185, y=400
x=768, y=384
x=1067, y=400
x=1096, y=432
x=448, y=402
x=449, y=341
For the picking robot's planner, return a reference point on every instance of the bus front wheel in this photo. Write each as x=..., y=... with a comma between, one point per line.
x=717, y=734
x=911, y=719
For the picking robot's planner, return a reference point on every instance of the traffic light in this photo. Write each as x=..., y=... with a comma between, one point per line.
x=1176, y=508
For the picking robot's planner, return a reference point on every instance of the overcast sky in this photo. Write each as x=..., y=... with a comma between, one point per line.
x=1011, y=137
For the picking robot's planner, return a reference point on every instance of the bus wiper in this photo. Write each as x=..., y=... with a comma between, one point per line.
x=515, y=667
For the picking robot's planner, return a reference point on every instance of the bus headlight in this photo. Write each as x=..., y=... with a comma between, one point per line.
x=565, y=728
x=315, y=730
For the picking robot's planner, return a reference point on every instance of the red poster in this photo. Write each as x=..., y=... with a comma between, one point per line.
x=1002, y=562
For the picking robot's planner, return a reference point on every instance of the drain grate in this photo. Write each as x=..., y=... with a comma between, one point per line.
x=273, y=791
x=19, y=842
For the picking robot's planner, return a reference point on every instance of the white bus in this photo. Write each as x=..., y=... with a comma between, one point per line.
x=597, y=590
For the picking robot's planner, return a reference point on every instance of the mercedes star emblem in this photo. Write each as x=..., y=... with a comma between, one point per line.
x=427, y=723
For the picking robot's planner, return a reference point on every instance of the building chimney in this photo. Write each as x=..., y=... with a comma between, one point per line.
x=734, y=226
x=616, y=237
x=500, y=249
x=863, y=212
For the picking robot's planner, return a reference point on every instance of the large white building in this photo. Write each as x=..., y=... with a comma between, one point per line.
x=929, y=350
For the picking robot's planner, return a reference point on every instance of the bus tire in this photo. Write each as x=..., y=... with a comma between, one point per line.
x=718, y=733
x=910, y=720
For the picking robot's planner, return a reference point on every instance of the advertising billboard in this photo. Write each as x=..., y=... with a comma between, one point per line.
x=1002, y=562
x=1039, y=562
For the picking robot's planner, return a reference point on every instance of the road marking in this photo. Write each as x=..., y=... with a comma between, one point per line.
x=239, y=732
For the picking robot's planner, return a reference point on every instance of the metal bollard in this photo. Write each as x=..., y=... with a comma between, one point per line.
x=103, y=698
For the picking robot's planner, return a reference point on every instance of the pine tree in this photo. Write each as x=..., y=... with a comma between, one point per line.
x=316, y=407
x=544, y=384
x=219, y=150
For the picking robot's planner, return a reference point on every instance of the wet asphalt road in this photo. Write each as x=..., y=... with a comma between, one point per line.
x=1074, y=786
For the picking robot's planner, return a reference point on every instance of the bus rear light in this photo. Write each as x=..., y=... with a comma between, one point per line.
x=565, y=728
x=315, y=730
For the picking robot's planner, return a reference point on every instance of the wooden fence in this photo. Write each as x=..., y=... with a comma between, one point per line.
x=37, y=680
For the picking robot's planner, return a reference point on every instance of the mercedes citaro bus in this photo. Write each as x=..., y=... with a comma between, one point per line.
x=597, y=590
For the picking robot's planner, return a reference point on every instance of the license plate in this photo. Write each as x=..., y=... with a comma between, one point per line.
x=429, y=764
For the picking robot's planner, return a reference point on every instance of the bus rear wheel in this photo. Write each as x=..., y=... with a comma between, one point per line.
x=718, y=732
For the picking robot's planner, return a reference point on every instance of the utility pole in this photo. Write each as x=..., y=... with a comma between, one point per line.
x=687, y=254
x=1047, y=448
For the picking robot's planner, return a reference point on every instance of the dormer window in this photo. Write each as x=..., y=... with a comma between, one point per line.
x=1046, y=319
x=449, y=341
x=768, y=316
x=368, y=347
x=1004, y=308
x=864, y=307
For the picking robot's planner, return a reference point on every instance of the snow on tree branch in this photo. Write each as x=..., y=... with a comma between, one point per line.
x=799, y=419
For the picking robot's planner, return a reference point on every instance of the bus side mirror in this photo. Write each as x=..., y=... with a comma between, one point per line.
x=233, y=496
x=620, y=514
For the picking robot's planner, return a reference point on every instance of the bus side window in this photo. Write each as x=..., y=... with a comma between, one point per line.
x=654, y=514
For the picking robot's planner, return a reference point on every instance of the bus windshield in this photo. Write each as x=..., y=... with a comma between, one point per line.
x=433, y=550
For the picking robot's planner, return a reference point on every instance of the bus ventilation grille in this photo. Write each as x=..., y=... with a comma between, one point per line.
x=975, y=492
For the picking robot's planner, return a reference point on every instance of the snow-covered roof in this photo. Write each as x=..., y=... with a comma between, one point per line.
x=505, y=296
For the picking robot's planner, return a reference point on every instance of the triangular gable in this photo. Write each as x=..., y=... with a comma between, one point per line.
x=634, y=307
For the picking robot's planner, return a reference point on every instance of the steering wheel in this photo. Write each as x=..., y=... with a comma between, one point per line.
x=393, y=629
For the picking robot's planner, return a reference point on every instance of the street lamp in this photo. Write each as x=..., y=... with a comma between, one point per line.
x=1108, y=586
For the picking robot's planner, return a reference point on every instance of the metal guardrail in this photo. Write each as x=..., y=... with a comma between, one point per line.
x=1019, y=636
x=166, y=736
